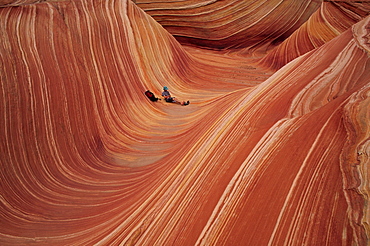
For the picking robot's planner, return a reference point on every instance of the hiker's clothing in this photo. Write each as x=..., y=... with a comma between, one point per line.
x=167, y=97
x=166, y=94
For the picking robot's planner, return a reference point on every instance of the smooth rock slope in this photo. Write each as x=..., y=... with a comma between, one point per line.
x=273, y=149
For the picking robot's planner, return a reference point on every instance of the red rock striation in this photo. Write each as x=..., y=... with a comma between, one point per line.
x=332, y=19
x=231, y=23
x=271, y=151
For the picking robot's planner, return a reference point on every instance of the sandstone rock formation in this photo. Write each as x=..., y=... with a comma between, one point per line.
x=273, y=149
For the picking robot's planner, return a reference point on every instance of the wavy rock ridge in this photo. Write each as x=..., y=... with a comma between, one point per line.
x=272, y=150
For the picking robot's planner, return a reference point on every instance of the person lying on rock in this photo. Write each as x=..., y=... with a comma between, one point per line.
x=167, y=97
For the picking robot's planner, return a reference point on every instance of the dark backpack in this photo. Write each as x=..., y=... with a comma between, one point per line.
x=151, y=96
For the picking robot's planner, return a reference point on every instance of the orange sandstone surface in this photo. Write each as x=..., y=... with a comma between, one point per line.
x=272, y=150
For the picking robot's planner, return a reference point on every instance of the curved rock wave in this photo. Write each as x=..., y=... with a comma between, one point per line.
x=332, y=19
x=230, y=24
x=259, y=157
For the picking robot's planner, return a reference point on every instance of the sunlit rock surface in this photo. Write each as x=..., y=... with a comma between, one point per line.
x=332, y=19
x=273, y=149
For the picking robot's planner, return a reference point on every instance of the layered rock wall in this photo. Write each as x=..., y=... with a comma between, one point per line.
x=272, y=150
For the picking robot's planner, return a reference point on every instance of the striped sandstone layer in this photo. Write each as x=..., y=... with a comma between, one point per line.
x=231, y=23
x=259, y=157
